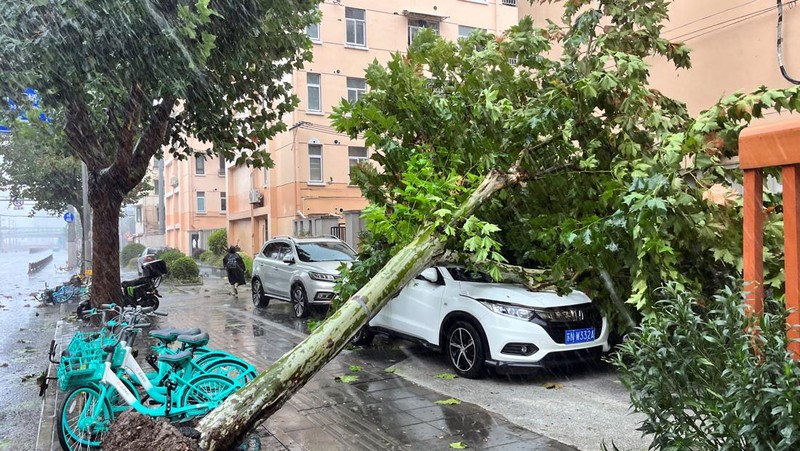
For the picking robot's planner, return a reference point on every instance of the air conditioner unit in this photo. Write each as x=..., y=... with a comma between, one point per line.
x=255, y=197
x=173, y=181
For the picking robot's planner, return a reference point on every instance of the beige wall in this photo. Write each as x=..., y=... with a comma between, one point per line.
x=182, y=215
x=733, y=46
x=289, y=191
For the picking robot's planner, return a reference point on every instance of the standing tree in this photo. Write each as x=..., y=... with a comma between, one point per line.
x=609, y=177
x=124, y=79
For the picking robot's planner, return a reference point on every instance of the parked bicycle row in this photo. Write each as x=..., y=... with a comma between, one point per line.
x=102, y=377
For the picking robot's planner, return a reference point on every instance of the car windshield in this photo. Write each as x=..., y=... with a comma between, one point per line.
x=324, y=252
x=463, y=275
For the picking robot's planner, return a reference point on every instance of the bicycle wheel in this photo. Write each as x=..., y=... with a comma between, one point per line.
x=234, y=369
x=206, y=388
x=63, y=294
x=83, y=419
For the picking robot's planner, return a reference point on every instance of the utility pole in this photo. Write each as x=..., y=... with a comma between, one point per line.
x=71, y=250
x=162, y=211
x=87, y=221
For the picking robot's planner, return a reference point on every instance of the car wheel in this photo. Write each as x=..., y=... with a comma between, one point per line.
x=465, y=350
x=259, y=299
x=363, y=337
x=299, y=301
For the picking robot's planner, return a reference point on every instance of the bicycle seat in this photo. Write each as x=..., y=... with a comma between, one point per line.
x=170, y=334
x=195, y=340
x=176, y=359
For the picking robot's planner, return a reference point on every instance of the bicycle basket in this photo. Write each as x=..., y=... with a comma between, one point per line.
x=86, y=367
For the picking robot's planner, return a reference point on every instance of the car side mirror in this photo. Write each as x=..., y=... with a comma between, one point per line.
x=431, y=275
x=288, y=259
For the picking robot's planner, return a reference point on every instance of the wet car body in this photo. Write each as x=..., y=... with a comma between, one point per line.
x=478, y=323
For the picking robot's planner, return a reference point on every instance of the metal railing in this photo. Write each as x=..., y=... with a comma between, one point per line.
x=338, y=231
x=510, y=2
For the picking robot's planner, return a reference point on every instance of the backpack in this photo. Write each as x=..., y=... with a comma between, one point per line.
x=232, y=262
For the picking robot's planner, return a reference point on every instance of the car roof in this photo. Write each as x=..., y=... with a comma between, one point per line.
x=312, y=239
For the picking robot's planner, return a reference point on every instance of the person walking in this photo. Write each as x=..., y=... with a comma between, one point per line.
x=234, y=265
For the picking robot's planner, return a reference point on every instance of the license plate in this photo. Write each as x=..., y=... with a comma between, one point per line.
x=579, y=336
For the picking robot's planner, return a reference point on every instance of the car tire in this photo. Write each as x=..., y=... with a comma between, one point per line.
x=466, y=350
x=299, y=301
x=260, y=300
x=363, y=337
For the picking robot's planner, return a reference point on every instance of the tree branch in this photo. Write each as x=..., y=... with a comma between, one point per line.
x=81, y=136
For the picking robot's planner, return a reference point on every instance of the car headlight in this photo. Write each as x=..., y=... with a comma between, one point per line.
x=322, y=276
x=513, y=311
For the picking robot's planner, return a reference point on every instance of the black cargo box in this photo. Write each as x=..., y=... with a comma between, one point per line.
x=155, y=268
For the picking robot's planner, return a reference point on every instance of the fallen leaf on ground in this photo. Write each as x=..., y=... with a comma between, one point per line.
x=449, y=402
x=390, y=370
x=346, y=379
x=458, y=445
x=445, y=376
x=552, y=385
x=355, y=368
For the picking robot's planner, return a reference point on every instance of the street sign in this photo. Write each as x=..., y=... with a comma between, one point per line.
x=69, y=217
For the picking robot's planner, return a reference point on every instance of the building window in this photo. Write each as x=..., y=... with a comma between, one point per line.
x=356, y=155
x=315, y=163
x=464, y=31
x=314, y=92
x=510, y=2
x=138, y=213
x=156, y=186
x=414, y=26
x=356, y=27
x=221, y=170
x=199, y=165
x=201, y=202
x=313, y=32
x=265, y=171
x=223, y=201
x=356, y=87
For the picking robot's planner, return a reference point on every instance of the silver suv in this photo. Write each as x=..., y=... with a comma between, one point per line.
x=298, y=270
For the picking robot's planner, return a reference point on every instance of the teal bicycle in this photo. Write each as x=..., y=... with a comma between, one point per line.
x=102, y=376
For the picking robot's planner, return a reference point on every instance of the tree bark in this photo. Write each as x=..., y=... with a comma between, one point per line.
x=242, y=411
x=106, y=202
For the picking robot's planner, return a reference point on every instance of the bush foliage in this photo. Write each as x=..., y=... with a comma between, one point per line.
x=131, y=250
x=184, y=269
x=169, y=256
x=248, y=265
x=693, y=371
x=218, y=241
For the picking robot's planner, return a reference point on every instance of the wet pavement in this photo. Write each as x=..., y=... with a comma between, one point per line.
x=380, y=410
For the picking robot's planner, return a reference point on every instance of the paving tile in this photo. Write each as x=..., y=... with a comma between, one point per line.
x=416, y=433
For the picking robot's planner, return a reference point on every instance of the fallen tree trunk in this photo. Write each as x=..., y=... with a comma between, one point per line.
x=231, y=421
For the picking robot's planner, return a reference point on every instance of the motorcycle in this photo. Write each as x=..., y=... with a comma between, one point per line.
x=142, y=291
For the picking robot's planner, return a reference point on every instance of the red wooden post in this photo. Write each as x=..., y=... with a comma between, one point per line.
x=753, y=241
x=791, y=227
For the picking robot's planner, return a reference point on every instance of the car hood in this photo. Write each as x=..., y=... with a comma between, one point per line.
x=518, y=294
x=330, y=267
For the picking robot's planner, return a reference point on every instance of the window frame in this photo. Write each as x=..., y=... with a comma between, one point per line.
x=318, y=87
x=358, y=92
x=200, y=195
x=355, y=160
x=355, y=22
x=311, y=180
x=416, y=28
x=318, y=38
x=199, y=165
x=223, y=201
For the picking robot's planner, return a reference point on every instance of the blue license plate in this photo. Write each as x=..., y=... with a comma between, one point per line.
x=579, y=336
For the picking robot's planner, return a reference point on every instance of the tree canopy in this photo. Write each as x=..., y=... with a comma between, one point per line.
x=636, y=192
x=124, y=79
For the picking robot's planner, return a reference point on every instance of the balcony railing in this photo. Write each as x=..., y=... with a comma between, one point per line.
x=510, y=2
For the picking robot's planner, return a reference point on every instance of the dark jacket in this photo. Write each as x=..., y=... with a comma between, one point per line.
x=236, y=273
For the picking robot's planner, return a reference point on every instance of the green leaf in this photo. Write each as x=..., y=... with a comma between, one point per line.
x=346, y=379
x=355, y=368
x=458, y=445
x=449, y=402
x=446, y=376
x=390, y=370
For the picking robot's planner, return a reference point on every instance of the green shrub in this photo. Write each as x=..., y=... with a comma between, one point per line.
x=691, y=368
x=169, y=256
x=205, y=256
x=131, y=250
x=184, y=269
x=248, y=265
x=218, y=241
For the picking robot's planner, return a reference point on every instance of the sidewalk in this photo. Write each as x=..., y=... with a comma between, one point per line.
x=379, y=411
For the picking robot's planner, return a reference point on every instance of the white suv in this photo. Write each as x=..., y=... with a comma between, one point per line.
x=478, y=323
x=298, y=270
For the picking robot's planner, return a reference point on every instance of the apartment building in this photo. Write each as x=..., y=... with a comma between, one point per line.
x=310, y=179
x=147, y=227
x=196, y=201
x=733, y=46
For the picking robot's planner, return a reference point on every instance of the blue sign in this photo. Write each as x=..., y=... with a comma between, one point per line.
x=69, y=217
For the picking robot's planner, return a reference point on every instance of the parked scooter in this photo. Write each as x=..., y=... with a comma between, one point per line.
x=142, y=291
